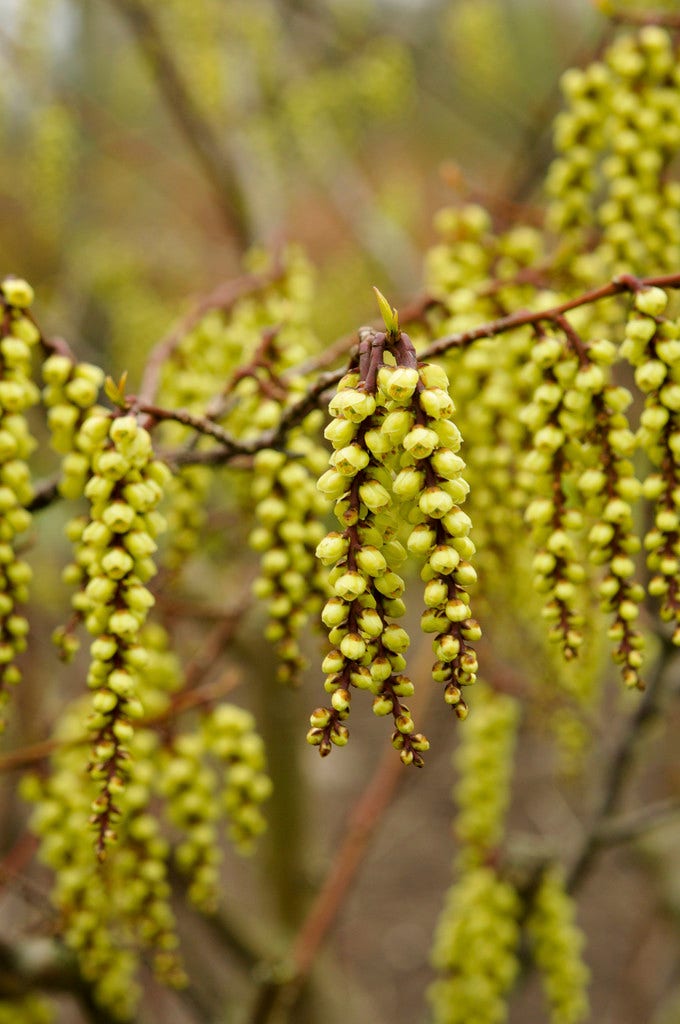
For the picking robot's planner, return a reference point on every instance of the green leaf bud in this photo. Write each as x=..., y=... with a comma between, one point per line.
x=350, y=585
x=82, y=393
x=139, y=599
x=97, y=534
x=123, y=429
x=395, y=639
x=103, y=648
x=123, y=624
x=353, y=646
x=333, y=662
x=352, y=405
x=447, y=648
x=444, y=559
x=669, y=396
x=371, y=561
x=628, y=488
x=590, y=379
x=650, y=375
x=332, y=484
x=383, y=705
x=432, y=621
x=341, y=700
x=622, y=566
x=617, y=511
x=408, y=483
x=667, y=520
x=111, y=465
x=116, y=563
x=119, y=516
x=435, y=502
x=339, y=734
x=457, y=610
x=592, y=481
x=642, y=329
x=380, y=669
x=447, y=464
x=17, y=292
x=404, y=724
x=121, y=683
x=360, y=677
x=422, y=539
x=332, y=548
x=453, y=695
x=403, y=687
x=434, y=376
x=395, y=553
x=390, y=584
x=669, y=351
x=402, y=383
x=396, y=426
x=374, y=495
x=139, y=543
x=436, y=403
x=335, y=612
x=420, y=442
x=436, y=593
x=350, y=460
x=549, y=438
x=122, y=730
x=104, y=701
x=561, y=544
x=320, y=718
x=16, y=353
x=377, y=443
x=546, y=352
x=340, y=432
x=651, y=301
x=654, y=418
x=315, y=737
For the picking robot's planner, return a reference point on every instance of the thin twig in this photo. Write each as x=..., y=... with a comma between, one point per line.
x=275, y=438
x=625, y=827
x=185, y=700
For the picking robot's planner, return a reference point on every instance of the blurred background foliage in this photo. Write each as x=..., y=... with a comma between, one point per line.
x=148, y=147
x=151, y=151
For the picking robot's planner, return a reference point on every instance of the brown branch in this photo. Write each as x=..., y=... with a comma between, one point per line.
x=215, y=161
x=275, y=438
x=522, y=318
x=188, y=419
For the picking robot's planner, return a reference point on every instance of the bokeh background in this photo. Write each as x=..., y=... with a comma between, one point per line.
x=149, y=151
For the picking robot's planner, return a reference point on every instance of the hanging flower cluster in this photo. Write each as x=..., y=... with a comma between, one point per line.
x=114, y=544
x=615, y=142
x=652, y=346
x=395, y=457
x=18, y=393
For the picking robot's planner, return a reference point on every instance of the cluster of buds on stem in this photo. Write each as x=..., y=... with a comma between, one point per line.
x=395, y=458
x=18, y=393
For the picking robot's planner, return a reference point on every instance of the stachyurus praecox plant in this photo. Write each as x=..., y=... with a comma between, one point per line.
x=508, y=442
